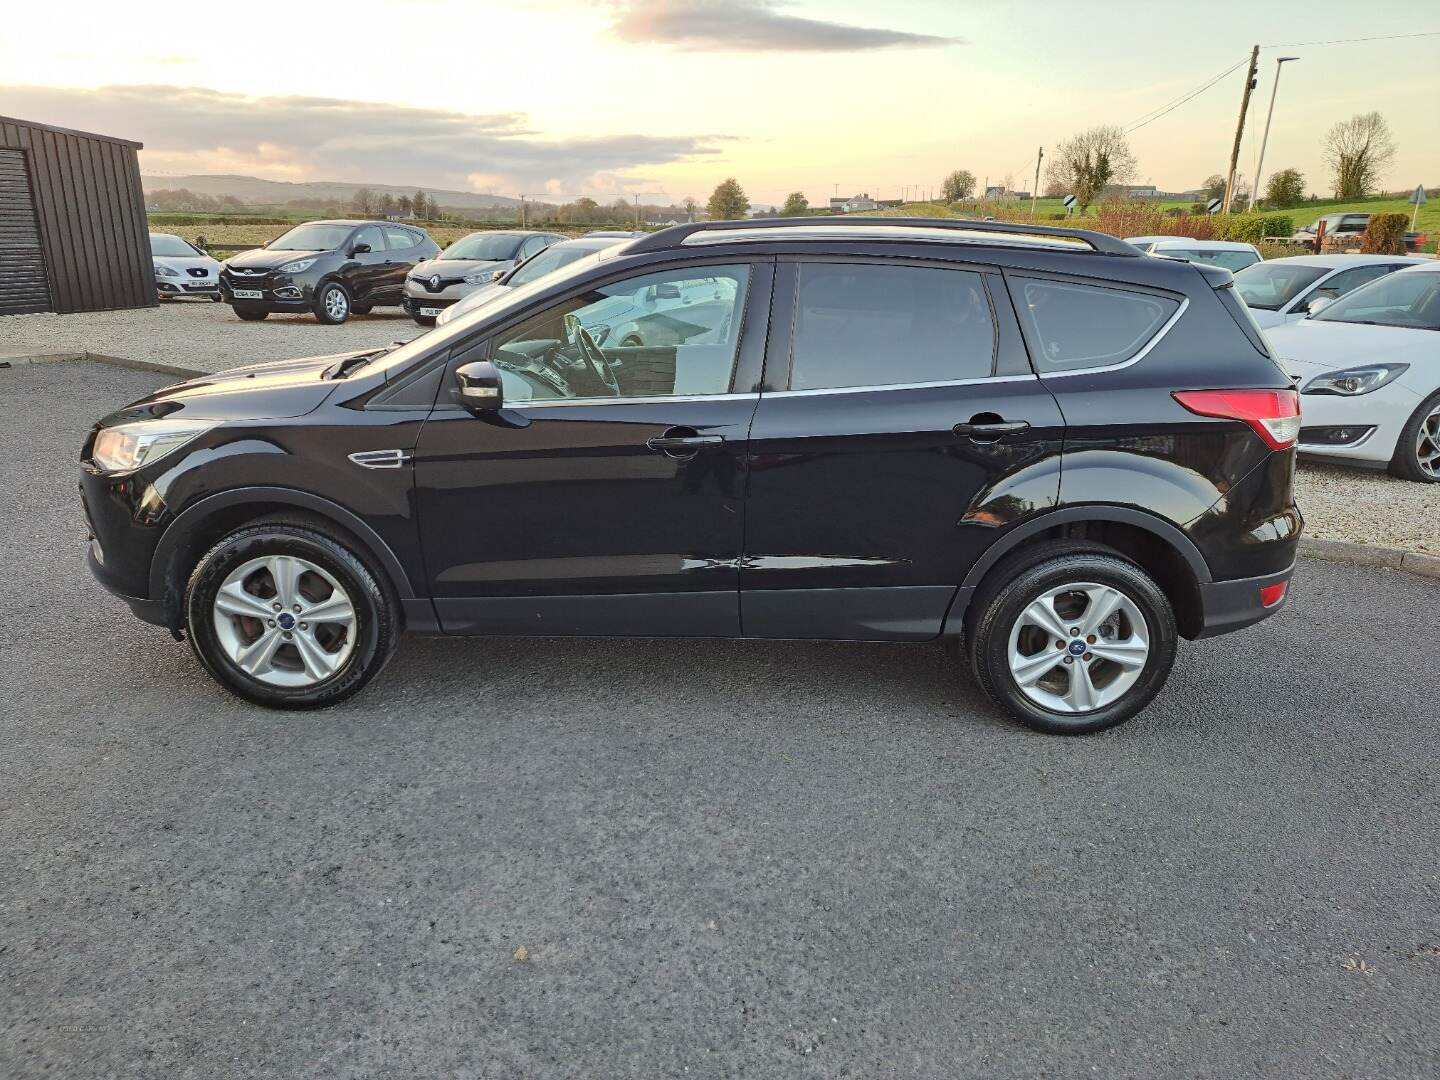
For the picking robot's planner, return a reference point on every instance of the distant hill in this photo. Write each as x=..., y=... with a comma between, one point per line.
x=253, y=191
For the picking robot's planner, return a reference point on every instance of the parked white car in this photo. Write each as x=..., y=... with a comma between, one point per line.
x=1281, y=291
x=533, y=268
x=182, y=269
x=1145, y=243
x=1368, y=368
x=1232, y=255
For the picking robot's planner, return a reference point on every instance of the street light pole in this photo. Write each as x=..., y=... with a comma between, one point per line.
x=1260, y=165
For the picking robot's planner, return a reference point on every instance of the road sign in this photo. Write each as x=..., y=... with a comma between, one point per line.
x=1418, y=196
x=1213, y=205
x=1069, y=202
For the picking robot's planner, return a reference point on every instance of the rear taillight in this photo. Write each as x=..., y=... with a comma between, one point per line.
x=1270, y=595
x=1273, y=414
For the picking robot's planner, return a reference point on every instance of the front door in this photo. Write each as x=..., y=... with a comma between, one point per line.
x=904, y=431
x=607, y=497
x=368, y=270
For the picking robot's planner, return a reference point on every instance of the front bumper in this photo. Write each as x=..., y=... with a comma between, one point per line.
x=416, y=305
x=278, y=292
x=1233, y=605
x=1385, y=411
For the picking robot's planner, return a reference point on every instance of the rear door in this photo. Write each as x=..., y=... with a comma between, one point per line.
x=402, y=246
x=901, y=428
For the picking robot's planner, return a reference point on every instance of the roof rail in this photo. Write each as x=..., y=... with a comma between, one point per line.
x=676, y=235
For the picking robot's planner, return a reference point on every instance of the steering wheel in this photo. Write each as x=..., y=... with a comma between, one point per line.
x=593, y=355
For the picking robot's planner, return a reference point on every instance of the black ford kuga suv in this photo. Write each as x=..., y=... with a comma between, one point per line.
x=1033, y=443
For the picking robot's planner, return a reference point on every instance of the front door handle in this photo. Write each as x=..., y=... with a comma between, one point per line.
x=682, y=442
x=990, y=431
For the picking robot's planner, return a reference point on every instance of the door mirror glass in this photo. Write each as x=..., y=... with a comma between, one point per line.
x=1319, y=304
x=479, y=386
x=360, y=249
x=667, y=291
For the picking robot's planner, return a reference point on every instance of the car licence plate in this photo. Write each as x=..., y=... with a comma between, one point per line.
x=430, y=312
x=248, y=294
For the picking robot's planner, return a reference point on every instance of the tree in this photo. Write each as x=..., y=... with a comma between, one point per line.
x=1090, y=161
x=363, y=202
x=728, y=201
x=423, y=208
x=691, y=206
x=1286, y=188
x=796, y=205
x=1214, y=187
x=959, y=185
x=1358, y=151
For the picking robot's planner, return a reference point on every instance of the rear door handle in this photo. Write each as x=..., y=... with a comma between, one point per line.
x=992, y=431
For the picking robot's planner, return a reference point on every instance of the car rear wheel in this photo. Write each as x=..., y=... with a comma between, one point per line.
x=332, y=304
x=287, y=616
x=1417, y=454
x=1071, y=638
x=249, y=314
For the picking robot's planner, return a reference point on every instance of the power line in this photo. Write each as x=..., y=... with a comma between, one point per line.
x=1156, y=114
x=1353, y=40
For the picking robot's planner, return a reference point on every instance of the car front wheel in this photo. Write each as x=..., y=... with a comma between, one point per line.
x=287, y=616
x=249, y=314
x=332, y=304
x=1071, y=638
x=1417, y=454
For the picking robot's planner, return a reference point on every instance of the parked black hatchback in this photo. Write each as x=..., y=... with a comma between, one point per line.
x=329, y=268
x=1031, y=441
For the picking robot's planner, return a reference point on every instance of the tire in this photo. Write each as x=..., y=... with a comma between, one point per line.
x=1141, y=630
x=249, y=314
x=1417, y=454
x=320, y=573
x=217, y=298
x=332, y=303
x=424, y=320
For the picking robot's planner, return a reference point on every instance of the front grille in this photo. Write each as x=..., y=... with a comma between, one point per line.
x=240, y=271
x=435, y=286
x=198, y=271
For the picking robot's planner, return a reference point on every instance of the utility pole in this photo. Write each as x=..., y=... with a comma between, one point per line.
x=1265, y=139
x=1240, y=129
x=1035, y=191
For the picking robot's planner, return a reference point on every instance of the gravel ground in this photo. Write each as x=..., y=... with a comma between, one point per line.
x=1365, y=507
x=512, y=858
x=197, y=334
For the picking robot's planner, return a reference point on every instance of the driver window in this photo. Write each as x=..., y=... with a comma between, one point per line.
x=370, y=235
x=671, y=333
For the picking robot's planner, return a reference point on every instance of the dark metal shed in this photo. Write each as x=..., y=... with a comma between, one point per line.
x=73, y=235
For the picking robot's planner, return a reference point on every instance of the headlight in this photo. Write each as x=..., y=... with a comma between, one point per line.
x=129, y=446
x=297, y=267
x=165, y=271
x=1352, y=382
x=482, y=277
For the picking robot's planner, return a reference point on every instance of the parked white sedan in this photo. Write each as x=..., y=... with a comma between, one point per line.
x=182, y=269
x=1281, y=291
x=1368, y=368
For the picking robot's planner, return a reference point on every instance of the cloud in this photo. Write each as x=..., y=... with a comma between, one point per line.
x=193, y=129
x=752, y=26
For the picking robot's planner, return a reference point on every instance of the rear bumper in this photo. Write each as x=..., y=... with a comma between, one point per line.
x=1234, y=605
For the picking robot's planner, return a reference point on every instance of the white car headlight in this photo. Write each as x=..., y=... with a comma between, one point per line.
x=482, y=277
x=1352, y=382
x=129, y=446
x=165, y=271
x=297, y=267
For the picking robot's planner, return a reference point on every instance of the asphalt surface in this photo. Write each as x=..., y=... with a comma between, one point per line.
x=659, y=859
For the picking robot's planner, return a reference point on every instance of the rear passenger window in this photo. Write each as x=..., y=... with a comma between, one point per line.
x=400, y=239
x=858, y=325
x=1080, y=326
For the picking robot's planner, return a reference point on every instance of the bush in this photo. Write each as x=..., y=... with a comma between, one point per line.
x=1242, y=228
x=1280, y=225
x=1385, y=235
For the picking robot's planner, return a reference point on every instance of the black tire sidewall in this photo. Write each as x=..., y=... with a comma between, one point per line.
x=1405, y=464
x=375, y=621
x=991, y=642
x=248, y=314
x=322, y=314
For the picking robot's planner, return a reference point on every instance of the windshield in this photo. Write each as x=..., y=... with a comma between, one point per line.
x=165, y=244
x=550, y=260
x=312, y=237
x=1410, y=298
x=461, y=325
x=483, y=247
x=1270, y=286
x=1229, y=260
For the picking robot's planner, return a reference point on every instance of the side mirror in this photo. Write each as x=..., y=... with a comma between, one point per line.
x=667, y=291
x=479, y=385
x=1319, y=304
x=360, y=249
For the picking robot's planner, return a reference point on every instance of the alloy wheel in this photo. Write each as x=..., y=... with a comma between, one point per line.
x=337, y=306
x=1427, y=445
x=1078, y=647
x=284, y=621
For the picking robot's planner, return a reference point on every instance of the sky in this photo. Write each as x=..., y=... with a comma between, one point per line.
x=665, y=98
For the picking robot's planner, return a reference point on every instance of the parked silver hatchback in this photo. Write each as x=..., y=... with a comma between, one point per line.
x=466, y=265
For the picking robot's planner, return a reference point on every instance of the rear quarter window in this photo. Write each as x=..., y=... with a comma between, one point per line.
x=1071, y=326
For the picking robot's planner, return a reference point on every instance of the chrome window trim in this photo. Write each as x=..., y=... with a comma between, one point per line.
x=650, y=400
x=1159, y=337
x=878, y=388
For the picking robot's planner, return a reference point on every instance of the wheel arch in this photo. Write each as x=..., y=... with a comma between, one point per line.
x=203, y=523
x=1159, y=548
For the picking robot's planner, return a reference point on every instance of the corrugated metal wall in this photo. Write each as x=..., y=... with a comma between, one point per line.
x=90, y=215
